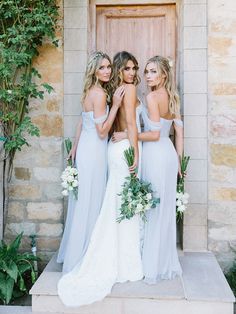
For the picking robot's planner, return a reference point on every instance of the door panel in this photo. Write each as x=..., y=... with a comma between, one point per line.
x=144, y=31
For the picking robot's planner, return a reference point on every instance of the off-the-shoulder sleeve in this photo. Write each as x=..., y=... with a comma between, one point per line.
x=154, y=126
x=101, y=119
x=178, y=122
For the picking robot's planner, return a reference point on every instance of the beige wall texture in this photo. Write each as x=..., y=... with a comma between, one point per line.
x=36, y=205
x=222, y=129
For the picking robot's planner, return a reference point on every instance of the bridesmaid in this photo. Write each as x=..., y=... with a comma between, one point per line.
x=160, y=164
x=90, y=154
x=160, y=167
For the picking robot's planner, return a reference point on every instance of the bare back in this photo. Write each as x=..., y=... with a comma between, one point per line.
x=163, y=102
x=93, y=93
x=120, y=123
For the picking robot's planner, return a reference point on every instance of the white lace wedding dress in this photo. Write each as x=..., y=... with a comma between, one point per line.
x=113, y=254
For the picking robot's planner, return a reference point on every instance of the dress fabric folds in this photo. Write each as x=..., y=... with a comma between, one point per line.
x=91, y=162
x=160, y=167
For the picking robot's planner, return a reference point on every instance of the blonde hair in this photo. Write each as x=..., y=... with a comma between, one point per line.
x=120, y=61
x=90, y=78
x=163, y=67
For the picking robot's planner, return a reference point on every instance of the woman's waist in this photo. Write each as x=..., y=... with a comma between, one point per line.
x=162, y=142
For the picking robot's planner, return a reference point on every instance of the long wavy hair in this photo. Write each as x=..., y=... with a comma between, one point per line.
x=163, y=67
x=90, y=78
x=120, y=61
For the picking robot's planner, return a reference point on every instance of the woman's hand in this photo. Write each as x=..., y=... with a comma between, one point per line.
x=118, y=96
x=118, y=136
x=181, y=175
x=72, y=154
x=134, y=167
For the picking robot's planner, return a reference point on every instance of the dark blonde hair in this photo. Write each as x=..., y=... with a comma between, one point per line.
x=163, y=67
x=90, y=78
x=120, y=61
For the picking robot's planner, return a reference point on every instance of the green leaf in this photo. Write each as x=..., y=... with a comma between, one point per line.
x=22, y=284
x=23, y=268
x=14, y=246
x=12, y=270
x=6, y=287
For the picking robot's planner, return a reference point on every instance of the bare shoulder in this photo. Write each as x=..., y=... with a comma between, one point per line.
x=152, y=97
x=130, y=88
x=97, y=92
x=162, y=95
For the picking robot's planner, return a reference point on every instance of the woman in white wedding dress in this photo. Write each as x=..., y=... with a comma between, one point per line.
x=113, y=253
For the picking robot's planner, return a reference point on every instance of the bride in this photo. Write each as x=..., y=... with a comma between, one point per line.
x=113, y=253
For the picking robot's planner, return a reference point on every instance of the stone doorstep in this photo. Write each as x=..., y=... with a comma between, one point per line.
x=12, y=309
x=202, y=290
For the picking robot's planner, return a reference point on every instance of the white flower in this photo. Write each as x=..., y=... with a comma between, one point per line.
x=64, y=185
x=75, y=184
x=178, y=202
x=186, y=196
x=74, y=171
x=178, y=194
x=139, y=207
x=9, y=91
x=65, y=193
x=181, y=208
x=149, y=196
x=170, y=63
x=70, y=188
x=70, y=179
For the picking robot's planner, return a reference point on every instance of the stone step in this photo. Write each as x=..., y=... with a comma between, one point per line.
x=202, y=290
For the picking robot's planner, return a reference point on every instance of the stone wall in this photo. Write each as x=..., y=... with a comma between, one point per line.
x=36, y=205
x=222, y=129
x=194, y=83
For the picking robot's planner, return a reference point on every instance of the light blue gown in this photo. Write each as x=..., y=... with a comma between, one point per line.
x=160, y=167
x=91, y=162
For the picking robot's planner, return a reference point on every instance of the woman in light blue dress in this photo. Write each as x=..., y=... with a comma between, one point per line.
x=160, y=164
x=160, y=168
x=90, y=150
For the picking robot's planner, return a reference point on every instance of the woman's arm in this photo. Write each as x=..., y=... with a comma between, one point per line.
x=130, y=114
x=179, y=139
x=99, y=101
x=72, y=152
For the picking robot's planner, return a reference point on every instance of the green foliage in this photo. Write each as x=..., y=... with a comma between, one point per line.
x=24, y=26
x=231, y=277
x=137, y=195
x=68, y=146
x=15, y=267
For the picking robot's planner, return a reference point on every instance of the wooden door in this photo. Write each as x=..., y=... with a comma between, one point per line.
x=143, y=30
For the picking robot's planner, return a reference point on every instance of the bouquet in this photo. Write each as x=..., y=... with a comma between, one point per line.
x=69, y=175
x=181, y=196
x=136, y=196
